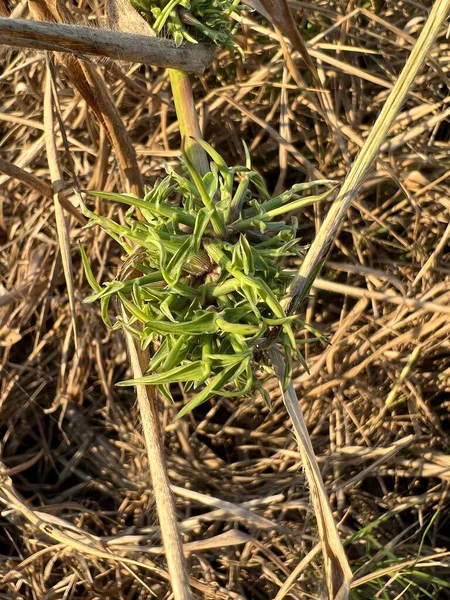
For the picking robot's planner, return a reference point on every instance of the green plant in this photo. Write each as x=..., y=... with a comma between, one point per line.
x=208, y=277
x=192, y=20
x=208, y=280
x=206, y=284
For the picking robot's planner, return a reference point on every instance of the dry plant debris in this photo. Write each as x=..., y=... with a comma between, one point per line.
x=376, y=402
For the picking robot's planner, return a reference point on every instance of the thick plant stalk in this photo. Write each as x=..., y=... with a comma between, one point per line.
x=119, y=12
x=79, y=40
x=188, y=119
x=165, y=504
x=62, y=224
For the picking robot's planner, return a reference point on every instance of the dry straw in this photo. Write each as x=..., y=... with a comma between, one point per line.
x=360, y=169
x=338, y=575
x=337, y=569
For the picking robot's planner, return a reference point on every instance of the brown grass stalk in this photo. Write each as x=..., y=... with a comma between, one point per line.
x=338, y=574
x=360, y=168
x=173, y=546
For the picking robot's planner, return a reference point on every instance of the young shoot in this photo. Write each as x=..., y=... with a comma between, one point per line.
x=204, y=281
x=192, y=20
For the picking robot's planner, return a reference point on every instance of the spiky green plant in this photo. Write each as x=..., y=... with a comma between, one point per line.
x=192, y=20
x=207, y=277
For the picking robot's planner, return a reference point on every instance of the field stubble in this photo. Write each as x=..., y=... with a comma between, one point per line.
x=376, y=402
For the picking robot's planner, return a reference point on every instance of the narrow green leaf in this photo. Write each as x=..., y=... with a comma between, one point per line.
x=246, y=254
x=218, y=224
x=219, y=161
x=104, y=306
x=295, y=189
x=201, y=223
x=88, y=271
x=241, y=390
x=164, y=307
x=248, y=158
x=211, y=181
x=280, y=321
x=225, y=360
x=206, y=323
x=269, y=298
x=172, y=272
x=137, y=313
x=239, y=328
x=212, y=388
x=198, y=182
x=161, y=208
x=190, y=372
x=220, y=258
x=159, y=357
x=296, y=204
x=239, y=197
x=176, y=354
x=165, y=391
x=116, y=231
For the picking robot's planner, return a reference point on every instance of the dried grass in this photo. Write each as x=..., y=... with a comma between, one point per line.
x=78, y=513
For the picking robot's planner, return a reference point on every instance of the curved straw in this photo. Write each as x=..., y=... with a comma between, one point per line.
x=337, y=570
x=338, y=574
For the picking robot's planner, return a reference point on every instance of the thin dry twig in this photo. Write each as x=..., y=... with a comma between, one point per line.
x=62, y=225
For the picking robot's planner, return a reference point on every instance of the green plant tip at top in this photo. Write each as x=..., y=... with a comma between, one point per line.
x=192, y=20
x=203, y=278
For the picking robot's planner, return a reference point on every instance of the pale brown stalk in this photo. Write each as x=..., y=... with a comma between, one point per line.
x=118, y=45
x=367, y=155
x=338, y=574
x=187, y=118
x=139, y=360
x=165, y=504
x=62, y=225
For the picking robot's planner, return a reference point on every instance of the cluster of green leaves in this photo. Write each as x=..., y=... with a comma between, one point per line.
x=192, y=20
x=208, y=281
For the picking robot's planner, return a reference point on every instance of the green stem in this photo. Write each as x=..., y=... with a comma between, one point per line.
x=188, y=119
x=190, y=132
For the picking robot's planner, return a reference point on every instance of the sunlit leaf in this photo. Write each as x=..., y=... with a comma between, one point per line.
x=215, y=386
x=188, y=372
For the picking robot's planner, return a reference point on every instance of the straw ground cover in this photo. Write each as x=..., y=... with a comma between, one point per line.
x=374, y=403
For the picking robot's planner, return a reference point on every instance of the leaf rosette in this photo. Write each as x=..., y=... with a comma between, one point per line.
x=203, y=280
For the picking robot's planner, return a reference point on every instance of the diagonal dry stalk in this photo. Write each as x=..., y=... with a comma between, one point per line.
x=165, y=504
x=367, y=155
x=282, y=18
x=139, y=360
x=338, y=574
x=62, y=225
x=337, y=569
